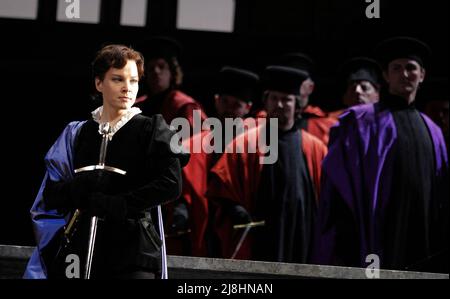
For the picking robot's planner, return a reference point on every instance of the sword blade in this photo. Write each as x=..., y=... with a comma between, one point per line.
x=90, y=253
x=241, y=240
x=104, y=130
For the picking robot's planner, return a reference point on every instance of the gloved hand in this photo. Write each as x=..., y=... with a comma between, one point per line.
x=239, y=215
x=87, y=182
x=180, y=217
x=79, y=189
x=74, y=194
x=111, y=206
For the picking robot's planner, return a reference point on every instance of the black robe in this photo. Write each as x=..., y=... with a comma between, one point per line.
x=411, y=227
x=286, y=202
x=142, y=148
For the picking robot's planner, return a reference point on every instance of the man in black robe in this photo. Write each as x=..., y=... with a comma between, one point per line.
x=384, y=179
x=283, y=193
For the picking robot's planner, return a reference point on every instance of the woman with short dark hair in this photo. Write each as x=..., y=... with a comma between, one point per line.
x=116, y=168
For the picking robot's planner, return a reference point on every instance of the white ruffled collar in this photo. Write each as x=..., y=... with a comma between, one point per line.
x=97, y=113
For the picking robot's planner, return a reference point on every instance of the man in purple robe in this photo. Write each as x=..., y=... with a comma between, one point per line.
x=384, y=189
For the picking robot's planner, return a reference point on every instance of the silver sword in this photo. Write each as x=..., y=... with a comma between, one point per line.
x=104, y=130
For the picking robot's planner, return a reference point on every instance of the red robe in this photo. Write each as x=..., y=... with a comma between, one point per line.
x=195, y=182
x=336, y=114
x=236, y=177
x=177, y=104
x=319, y=123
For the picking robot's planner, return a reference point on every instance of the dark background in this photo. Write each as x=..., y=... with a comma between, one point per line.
x=45, y=74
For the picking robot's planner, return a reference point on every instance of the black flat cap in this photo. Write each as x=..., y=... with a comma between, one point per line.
x=402, y=47
x=297, y=60
x=284, y=79
x=238, y=82
x=361, y=69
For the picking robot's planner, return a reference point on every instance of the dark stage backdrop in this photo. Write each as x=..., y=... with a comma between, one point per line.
x=45, y=67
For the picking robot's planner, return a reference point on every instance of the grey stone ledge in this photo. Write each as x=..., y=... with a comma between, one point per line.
x=199, y=267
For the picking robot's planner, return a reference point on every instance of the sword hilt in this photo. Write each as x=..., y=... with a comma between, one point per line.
x=250, y=224
x=71, y=227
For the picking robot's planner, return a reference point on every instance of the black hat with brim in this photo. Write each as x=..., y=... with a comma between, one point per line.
x=283, y=79
x=361, y=69
x=238, y=82
x=402, y=47
x=297, y=60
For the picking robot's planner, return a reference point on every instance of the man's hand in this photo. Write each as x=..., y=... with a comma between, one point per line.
x=180, y=218
x=239, y=215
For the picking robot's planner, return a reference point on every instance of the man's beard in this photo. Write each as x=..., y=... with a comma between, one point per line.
x=281, y=116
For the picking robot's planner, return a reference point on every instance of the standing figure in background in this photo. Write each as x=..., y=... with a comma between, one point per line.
x=361, y=80
x=163, y=78
x=283, y=194
x=313, y=119
x=236, y=91
x=385, y=178
x=362, y=77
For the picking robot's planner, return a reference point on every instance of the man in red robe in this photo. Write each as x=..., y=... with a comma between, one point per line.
x=282, y=192
x=237, y=90
x=164, y=77
x=313, y=119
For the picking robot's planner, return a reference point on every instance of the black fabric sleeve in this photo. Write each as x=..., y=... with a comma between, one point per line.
x=164, y=167
x=56, y=195
x=69, y=194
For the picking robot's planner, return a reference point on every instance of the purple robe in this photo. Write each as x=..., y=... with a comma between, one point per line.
x=358, y=171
